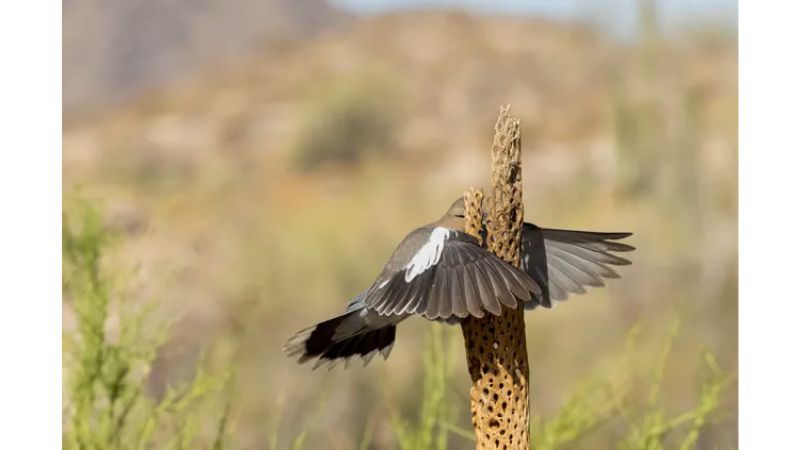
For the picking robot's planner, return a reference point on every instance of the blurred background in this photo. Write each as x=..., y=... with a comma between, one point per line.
x=260, y=160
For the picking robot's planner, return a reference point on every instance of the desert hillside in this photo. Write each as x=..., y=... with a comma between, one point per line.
x=114, y=51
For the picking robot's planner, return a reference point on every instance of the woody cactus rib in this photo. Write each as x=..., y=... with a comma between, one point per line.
x=497, y=355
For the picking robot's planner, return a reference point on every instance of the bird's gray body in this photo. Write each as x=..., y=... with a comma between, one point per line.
x=441, y=273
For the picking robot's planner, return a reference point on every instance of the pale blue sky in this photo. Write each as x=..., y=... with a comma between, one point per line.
x=617, y=15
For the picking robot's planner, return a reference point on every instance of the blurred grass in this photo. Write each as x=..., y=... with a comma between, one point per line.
x=601, y=406
x=348, y=119
x=107, y=359
x=429, y=430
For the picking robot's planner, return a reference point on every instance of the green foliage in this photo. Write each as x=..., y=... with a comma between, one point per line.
x=109, y=355
x=592, y=404
x=429, y=431
x=650, y=428
x=299, y=441
x=347, y=119
x=599, y=403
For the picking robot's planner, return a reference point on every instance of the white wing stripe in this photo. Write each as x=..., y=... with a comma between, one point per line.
x=428, y=255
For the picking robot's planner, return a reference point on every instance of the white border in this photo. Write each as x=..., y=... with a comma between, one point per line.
x=30, y=226
x=30, y=174
x=769, y=250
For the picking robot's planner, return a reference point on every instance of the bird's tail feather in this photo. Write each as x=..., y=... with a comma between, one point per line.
x=329, y=344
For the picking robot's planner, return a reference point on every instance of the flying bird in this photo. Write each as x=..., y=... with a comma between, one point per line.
x=441, y=273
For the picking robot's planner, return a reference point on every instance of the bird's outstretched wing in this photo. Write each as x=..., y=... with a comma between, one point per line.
x=565, y=262
x=448, y=275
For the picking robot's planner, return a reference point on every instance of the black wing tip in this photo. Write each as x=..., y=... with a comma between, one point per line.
x=331, y=362
x=363, y=346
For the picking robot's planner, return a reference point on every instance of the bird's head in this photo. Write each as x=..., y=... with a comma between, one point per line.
x=456, y=209
x=454, y=217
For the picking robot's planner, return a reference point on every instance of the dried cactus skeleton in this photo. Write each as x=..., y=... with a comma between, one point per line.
x=497, y=355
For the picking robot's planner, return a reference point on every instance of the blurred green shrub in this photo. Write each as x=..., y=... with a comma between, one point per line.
x=141, y=163
x=430, y=429
x=649, y=426
x=108, y=356
x=347, y=119
x=600, y=405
